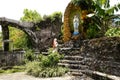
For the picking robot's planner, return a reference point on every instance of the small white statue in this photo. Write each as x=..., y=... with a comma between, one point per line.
x=55, y=45
x=76, y=25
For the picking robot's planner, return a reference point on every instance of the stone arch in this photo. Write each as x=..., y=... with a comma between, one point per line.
x=41, y=38
x=24, y=26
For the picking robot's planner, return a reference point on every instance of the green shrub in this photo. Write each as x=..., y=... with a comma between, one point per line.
x=54, y=58
x=29, y=55
x=93, y=31
x=113, y=32
x=46, y=66
x=33, y=68
x=45, y=61
x=51, y=60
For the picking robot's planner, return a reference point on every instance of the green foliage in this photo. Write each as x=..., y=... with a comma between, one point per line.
x=29, y=55
x=45, y=61
x=52, y=17
x=51, y=60
x=46, y=66
x=102, y=11
x=54, y=58
x=19, y=38
x=34, y=68
x=56, y=15
x=103, y=14
x=83, y=4
x=113, y=32
x=31, y=16
x=92, y=31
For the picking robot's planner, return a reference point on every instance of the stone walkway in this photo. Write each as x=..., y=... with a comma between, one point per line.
x=23, y=76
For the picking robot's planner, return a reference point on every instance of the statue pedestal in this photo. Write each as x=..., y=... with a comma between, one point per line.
x=76, y=33
x=75, y=37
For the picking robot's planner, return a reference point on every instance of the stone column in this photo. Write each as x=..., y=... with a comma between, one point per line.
x=5, y=34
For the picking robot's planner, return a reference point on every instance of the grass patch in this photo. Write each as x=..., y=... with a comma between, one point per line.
x=13, y=69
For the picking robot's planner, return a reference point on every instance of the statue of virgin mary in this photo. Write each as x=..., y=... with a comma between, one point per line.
x=76, y=25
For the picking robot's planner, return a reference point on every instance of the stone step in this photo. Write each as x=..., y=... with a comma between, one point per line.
x=78, y=70
x=76, y=73
x=65, y=48
x=80, y=73
x=70, y=51
x=73, y=66
x=68, y=48
x=73, y=57
x=72, y=61
x=45, y=53
x=73, y=53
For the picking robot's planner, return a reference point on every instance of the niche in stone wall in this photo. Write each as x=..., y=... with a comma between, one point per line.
x=68, y=29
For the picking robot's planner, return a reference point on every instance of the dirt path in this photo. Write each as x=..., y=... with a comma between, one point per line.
x=23, y=76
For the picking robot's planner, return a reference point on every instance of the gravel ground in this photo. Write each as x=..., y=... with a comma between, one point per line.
x=23, y=76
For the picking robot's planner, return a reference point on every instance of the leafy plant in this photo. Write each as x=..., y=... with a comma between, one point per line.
x=54, y=58
x=29, y=55
x=101, y=10
x=53, y=16
x=83, y=4
x=46, y=66
x=113, y=32
x=34, y=68
x=51, y=60
x=31, y=16
x=19, y=38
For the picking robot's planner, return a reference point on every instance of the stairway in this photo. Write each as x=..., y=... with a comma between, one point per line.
x=74, y=60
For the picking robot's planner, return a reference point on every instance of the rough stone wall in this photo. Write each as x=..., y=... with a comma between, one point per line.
x=104, y=54
x=100, y=54
x=11, y=58
x=48, y=31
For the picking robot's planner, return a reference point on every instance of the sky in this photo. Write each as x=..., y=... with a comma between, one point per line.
x=13, y=9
